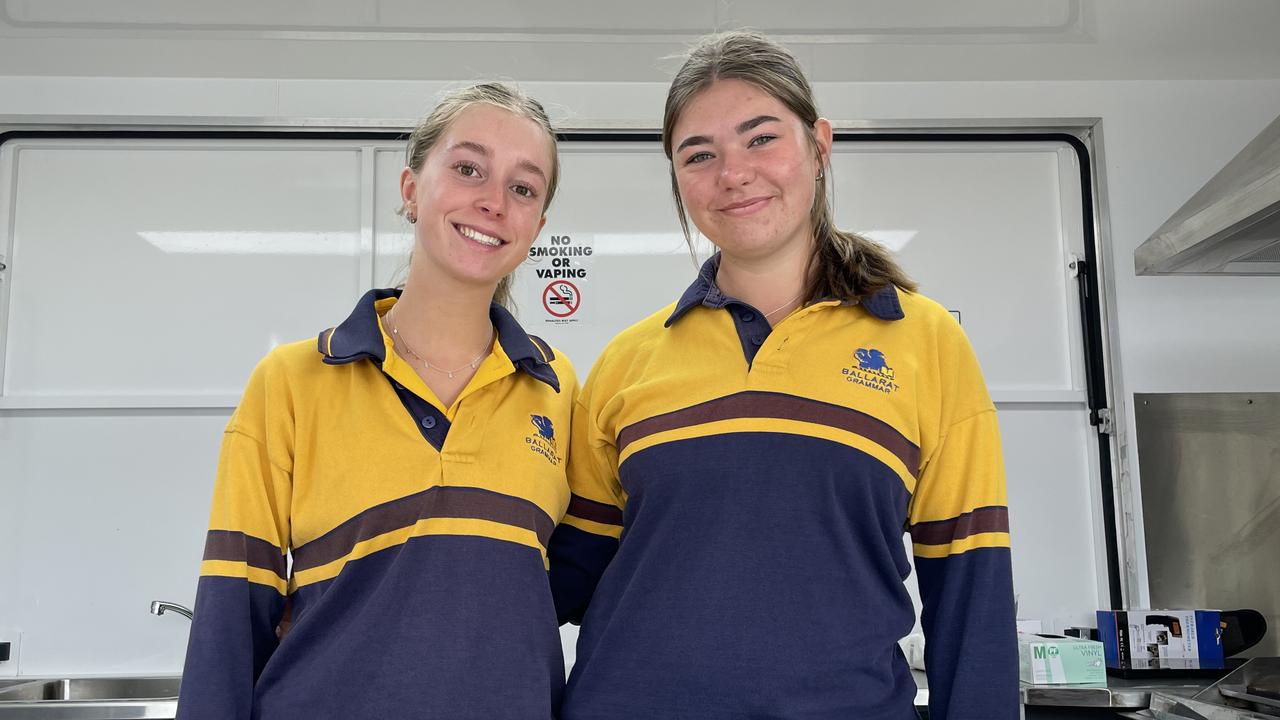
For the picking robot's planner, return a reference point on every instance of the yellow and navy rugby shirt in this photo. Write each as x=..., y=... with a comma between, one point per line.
x=748, y=488
x=417, y=536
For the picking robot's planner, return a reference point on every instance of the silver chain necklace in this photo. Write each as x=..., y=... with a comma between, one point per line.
x=475, y=362
x=793, y=299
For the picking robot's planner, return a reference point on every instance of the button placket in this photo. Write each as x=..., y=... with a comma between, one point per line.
x=789, y=334
x=751, y=328
x=431, y=423
x=475, y=415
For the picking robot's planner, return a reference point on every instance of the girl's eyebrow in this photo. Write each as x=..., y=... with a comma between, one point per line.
x=694, y=140
x=755, y=122
x=743, y=127
x=533, y=168
x=483, y=151
x=473, y=146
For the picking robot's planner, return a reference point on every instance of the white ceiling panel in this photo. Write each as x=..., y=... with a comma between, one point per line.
x=888, y=19
x=583, y=41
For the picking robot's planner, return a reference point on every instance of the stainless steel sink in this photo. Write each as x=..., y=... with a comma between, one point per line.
x=91, y=698
x=9, y=682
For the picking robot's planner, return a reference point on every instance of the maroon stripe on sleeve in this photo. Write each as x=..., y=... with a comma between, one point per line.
x=605, y=513
x=979, y=520
x=239, y=547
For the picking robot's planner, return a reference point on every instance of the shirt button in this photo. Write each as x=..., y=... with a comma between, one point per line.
x=748, y=317
x=428, y=422
x=757, y=341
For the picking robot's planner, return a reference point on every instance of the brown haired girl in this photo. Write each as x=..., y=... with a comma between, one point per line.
x=745, y=461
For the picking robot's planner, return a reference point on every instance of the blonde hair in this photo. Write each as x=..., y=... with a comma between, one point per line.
x=845, y=265
x=430, y=129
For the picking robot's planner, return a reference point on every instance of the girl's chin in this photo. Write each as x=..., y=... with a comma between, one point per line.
x=487, y=277
x=456, y=277
x=750, y=248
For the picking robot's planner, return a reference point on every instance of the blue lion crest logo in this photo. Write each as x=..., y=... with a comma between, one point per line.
x=545, y=429
x=873, y=360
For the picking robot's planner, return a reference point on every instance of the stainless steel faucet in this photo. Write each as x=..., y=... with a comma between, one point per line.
x=158, y=607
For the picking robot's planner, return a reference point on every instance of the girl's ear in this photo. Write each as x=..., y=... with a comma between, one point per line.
x=823, y=134
x=408, y=188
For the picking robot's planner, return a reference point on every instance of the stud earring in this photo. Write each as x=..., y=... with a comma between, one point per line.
x=821, y=174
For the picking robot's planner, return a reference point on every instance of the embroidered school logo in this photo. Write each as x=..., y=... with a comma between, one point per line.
x=545, y=428
x=873, y=360
x=872, y=371
x=544, y=443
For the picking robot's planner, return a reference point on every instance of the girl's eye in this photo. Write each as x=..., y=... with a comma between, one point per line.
x=697, y=158
x=524, y=191
x=467, y=169
x=762, y=139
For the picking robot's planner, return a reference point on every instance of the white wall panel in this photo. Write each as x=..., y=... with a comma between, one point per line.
x=107, y=512
x=392, y=234
x=136, y=96
x=982, y=228
x=145, y=268
x=1051, y=513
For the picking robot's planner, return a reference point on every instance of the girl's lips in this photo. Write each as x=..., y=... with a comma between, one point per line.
x=746, y=207
x=479, y=236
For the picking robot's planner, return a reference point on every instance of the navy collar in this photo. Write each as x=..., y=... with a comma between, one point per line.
x=359, y=337
x=883, y=304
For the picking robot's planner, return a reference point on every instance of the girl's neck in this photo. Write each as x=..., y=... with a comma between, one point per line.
x=441, y=318
x=772, y=284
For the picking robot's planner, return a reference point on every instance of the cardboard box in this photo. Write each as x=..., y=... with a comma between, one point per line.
x=1161, y=639
x=1059, y=660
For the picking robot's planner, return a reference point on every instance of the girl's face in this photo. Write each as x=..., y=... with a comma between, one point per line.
x=479, y=195
x=746, y=169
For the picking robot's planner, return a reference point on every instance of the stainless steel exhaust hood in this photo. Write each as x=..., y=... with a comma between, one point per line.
x=1230, y=227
